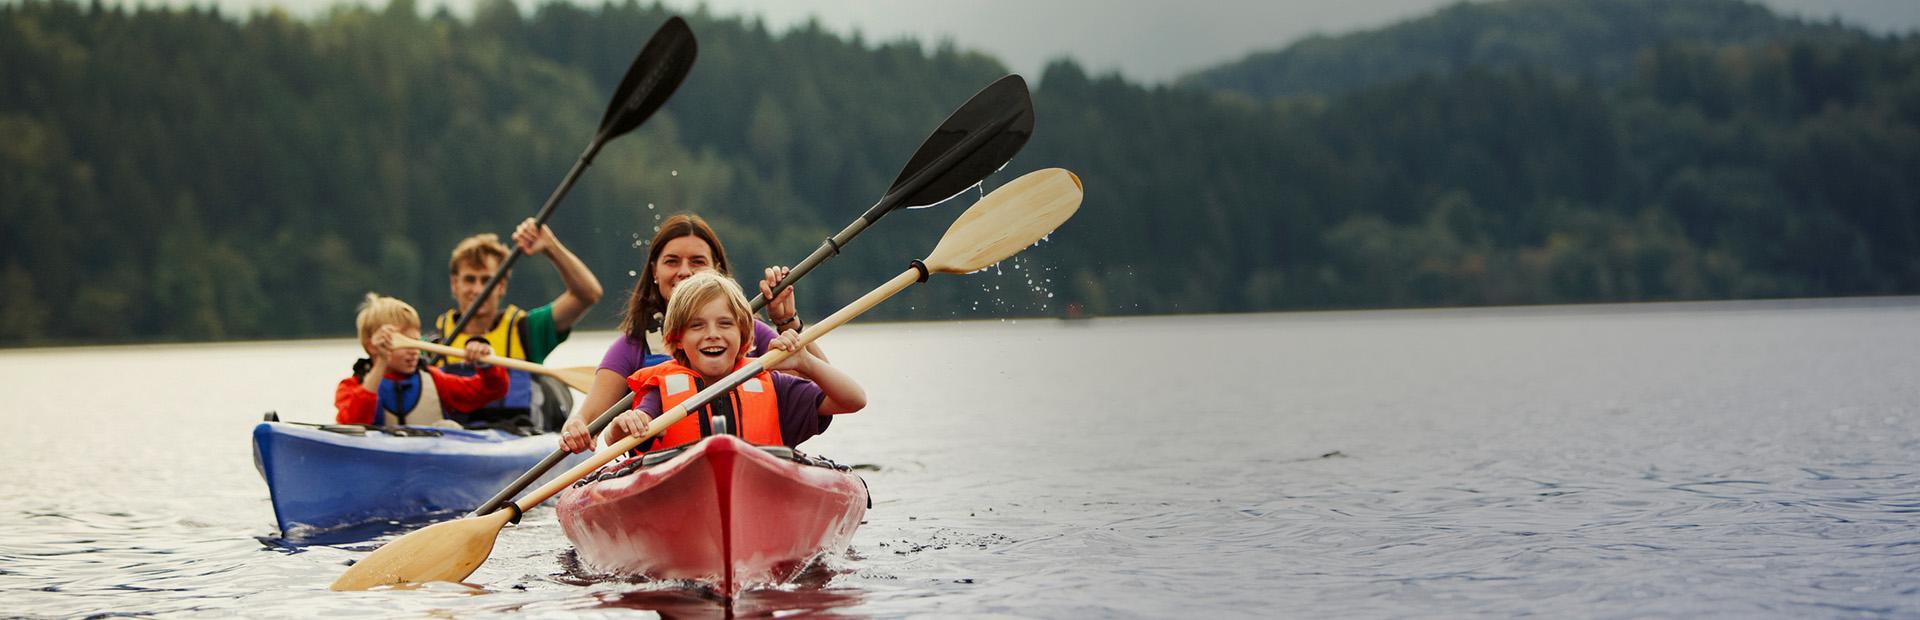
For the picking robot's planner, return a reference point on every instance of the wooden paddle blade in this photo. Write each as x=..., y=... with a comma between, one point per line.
x=1008, y=220
x=447, y=551
x=659, y=69
x=579, y=378
x=973, y=142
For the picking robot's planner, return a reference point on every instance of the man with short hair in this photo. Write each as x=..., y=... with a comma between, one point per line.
x=522, y=334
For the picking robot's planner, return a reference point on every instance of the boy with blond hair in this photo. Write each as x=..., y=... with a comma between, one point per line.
x=389, y=388
x=708, y=327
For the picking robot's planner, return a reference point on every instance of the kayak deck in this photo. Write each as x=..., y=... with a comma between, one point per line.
x=327, y=478
x=722, y=513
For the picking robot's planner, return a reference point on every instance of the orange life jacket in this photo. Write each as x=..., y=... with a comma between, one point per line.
x=756, y=411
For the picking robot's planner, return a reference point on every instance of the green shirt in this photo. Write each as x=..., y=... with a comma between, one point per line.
x=542, y=336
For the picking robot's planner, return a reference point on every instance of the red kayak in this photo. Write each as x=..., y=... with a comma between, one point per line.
x=721, y=512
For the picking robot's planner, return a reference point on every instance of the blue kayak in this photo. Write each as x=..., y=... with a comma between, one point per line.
x=329, y=477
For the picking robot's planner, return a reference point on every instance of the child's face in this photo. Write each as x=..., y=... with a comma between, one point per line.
x=710, y=340
x=404, y=361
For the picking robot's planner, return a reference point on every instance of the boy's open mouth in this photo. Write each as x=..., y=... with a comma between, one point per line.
x=713, y=351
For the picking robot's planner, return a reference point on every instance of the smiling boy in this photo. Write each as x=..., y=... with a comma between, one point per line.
x=707, y=322
x=389, y=388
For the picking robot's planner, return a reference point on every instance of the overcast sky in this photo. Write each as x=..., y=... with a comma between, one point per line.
x=1144, y=40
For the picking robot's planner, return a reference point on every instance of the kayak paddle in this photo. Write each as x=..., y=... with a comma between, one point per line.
x=650, y=80
x=975, y=140
x=577, y=377
x=1012, y=218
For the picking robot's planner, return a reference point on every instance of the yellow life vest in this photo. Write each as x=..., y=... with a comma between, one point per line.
x=505, y=335
x=508, y=340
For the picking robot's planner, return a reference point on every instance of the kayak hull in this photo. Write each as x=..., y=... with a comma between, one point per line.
x=323, y=479
x=722, y=513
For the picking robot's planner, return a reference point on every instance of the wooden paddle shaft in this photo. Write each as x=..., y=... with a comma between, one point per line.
x=497, y=360
x=674, y=415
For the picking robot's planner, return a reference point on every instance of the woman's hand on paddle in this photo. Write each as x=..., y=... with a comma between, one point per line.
x=628, y=424
x=532, y=238
x=574, y=436
x=780, y=309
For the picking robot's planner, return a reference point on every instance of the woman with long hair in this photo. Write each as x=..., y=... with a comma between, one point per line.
x=684, y=245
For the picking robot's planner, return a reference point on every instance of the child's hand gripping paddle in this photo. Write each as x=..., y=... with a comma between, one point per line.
x=1012, y=218
x=577, y=377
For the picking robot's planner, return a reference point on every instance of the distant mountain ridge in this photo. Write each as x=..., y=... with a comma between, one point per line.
x=1598, y=39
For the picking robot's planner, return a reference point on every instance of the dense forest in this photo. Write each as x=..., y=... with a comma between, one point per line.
x=1599, y=40
x=187, y=175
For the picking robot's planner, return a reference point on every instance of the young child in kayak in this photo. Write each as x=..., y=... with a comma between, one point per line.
x=389, y=387
x=707, y=324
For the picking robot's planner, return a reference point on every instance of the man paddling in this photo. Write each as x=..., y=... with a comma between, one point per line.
x=522, y=334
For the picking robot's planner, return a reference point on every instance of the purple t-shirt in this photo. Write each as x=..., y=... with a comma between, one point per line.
x=629, y=354
x=799, y=400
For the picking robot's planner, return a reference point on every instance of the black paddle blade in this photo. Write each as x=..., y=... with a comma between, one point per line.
x=975, y=140
x=652, y=78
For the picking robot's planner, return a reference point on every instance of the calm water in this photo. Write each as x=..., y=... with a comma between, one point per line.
x=1728, y=460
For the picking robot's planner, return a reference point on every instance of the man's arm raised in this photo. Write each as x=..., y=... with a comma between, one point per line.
x=583, y=290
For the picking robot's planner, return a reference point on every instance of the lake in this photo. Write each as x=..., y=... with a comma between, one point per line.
x=1682, y=460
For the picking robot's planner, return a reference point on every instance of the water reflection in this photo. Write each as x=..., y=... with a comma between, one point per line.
x=762, y=603
x=810, y=593
x=1551, y=462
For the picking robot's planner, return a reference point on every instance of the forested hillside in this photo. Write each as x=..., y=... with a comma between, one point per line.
x=190, y=175
x=1597, y=39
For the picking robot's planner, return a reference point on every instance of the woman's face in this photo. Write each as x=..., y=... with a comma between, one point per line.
x=679, y=258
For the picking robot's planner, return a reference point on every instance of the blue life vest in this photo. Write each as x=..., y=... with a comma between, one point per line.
x=413, y=401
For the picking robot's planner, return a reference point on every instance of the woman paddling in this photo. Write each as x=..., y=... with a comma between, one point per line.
x=684, y=245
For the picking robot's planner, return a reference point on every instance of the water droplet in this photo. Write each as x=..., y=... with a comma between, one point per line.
x=649, y=206
x=631, y=273
x=676, y=173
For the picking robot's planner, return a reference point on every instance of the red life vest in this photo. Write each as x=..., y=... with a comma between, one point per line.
x=756, y=410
